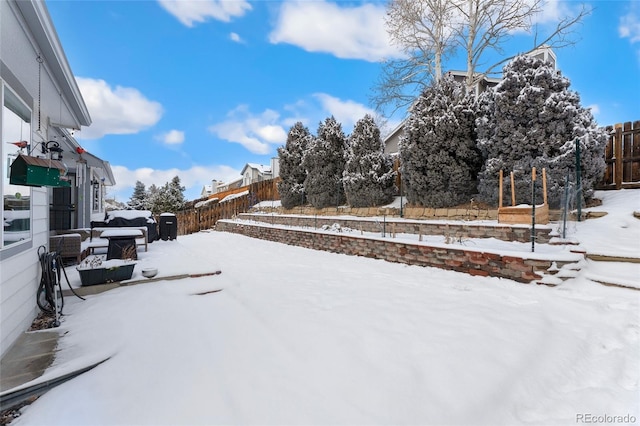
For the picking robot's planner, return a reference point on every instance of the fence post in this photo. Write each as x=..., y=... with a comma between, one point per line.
x=578, y=180
x=617, y=153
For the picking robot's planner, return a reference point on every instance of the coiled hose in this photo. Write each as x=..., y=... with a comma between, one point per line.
x=49, y=299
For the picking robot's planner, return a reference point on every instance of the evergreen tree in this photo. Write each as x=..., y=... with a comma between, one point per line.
x=174, y=193
x=152, y=196
x=168, y=198
x=533, y=120
x=440, y=161
x=177, y=191
x=368, y=176
x=324, y=162
x=138, y=200
x=292, y=173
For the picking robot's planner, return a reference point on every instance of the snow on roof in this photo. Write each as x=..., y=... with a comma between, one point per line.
x=259, y=167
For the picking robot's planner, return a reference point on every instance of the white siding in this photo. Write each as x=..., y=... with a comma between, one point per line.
x=19, y=263
x=20, y=276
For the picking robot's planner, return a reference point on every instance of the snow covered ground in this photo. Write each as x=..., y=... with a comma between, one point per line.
x=297, y=336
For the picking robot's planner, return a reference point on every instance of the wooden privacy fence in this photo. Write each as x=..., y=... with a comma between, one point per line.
x=622, y=156
x=225, y=205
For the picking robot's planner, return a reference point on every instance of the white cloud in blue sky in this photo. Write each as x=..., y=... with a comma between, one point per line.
x=191, y=12
x=118, y=111
x=630, y=24
x=346, y=112
x=629, y=27
x=256, y=132
x=259, y=133
x=195, y=176
x=172, y=137
x=236, y=37
x=344, y=31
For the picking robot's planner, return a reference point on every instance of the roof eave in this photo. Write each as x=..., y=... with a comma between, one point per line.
x=37, y=16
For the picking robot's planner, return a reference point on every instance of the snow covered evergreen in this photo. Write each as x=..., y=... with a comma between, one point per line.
x=369, y=178
x=324, y=162
x=438, y=153
x=167, y=198
x=533, y=120
x=138, y=200
x=292, y=173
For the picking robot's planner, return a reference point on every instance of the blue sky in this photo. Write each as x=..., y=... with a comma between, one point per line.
x=200, y=88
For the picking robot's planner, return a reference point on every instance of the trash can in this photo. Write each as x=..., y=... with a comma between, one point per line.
x=168, y=226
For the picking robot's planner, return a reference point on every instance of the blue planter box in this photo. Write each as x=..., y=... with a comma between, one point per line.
x=101, y=275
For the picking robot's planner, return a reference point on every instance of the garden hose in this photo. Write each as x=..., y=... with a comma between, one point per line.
x=49, y=297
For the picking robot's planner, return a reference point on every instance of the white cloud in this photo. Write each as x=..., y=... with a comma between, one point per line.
x=346, y=112
x=629, y=26
x=553, y=11
x=193, y=179
x=236, y=37
x=258, y=133
x=172, y=137
x=123, y=110
x=346, y=32
x=595, y=109
x=255, y=132
x=190, y=12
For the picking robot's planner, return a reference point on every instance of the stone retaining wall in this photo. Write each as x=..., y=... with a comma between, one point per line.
x=520, y=233
x=470, y=213
x=469, y=261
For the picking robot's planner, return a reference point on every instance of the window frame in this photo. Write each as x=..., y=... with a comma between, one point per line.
x=10, y=249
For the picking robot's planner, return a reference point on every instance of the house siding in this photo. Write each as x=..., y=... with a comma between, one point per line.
x=20, y=276
x=23, y=26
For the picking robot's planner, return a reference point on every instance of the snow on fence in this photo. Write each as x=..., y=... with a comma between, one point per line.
x=622, y=156
x=225, y=205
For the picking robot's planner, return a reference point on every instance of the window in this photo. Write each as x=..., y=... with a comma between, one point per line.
x=16, y=199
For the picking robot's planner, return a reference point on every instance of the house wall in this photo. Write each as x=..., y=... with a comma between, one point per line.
x=25, y=31
x=20, y=275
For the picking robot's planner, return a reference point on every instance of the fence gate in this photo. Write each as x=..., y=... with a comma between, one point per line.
x=622, y=157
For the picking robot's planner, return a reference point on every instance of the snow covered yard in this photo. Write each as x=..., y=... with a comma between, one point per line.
x=321, y=338
x=297, y=336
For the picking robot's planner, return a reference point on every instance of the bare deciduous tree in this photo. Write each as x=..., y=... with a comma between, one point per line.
x=421, y=30
x=489, y=24
x=431, y=31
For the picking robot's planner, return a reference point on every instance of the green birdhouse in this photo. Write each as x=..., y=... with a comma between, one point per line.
x=34, y=171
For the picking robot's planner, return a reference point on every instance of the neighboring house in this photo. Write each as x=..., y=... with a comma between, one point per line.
x=234, y=184
x=482, y=83
x=209, y=189
x=40, y=101
x=544, y=53
x=252, y=172
x=392, y=139
x=255, y=173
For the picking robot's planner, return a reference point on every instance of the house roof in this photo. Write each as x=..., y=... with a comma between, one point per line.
x=261, y=168
x=70, y=146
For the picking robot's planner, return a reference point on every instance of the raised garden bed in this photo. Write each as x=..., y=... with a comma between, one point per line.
x=106, y=272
